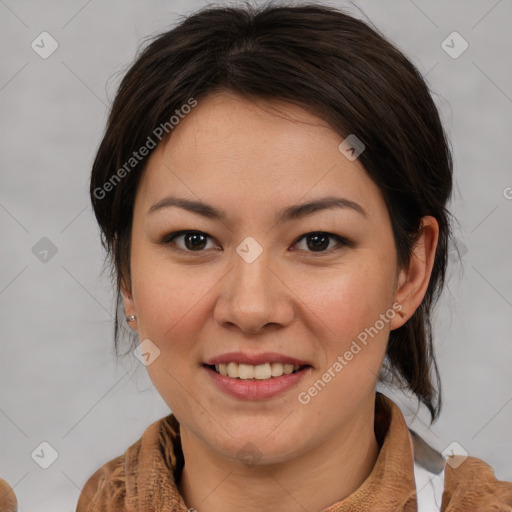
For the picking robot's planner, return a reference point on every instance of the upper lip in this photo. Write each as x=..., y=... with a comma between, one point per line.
x=255, y=359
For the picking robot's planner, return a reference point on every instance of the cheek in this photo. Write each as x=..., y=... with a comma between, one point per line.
x=168, y=297
x=351, y=336
x=349, y=298
x=171, y=304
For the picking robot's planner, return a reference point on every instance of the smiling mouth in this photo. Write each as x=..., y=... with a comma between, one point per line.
x=263, y=371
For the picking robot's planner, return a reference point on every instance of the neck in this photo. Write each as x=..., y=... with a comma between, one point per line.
x=312, y=481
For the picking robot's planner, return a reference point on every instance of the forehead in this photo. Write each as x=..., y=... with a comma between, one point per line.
x=264, y=152
x=225, y=128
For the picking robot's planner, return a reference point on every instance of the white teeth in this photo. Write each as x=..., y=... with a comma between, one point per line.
x=277, y=369
x=233, y=370
x=245, y=371
x=288, y=368
x=260, y=372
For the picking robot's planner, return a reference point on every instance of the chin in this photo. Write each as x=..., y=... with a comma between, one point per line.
x=258, y=446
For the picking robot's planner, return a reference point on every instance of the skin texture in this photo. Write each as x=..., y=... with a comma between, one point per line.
x=251, y=159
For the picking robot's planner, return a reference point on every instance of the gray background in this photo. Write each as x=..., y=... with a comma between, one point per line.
x=60, y=382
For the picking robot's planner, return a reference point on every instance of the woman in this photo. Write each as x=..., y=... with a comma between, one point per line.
x=272, y=189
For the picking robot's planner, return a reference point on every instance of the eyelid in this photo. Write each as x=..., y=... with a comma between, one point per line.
x=168, y=240
x=342, y=241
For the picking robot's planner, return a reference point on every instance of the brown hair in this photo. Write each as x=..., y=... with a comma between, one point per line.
x=332, y=65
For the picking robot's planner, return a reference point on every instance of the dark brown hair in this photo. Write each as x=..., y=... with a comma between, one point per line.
x=332, y=65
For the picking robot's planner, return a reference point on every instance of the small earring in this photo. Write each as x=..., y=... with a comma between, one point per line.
x=130, y=318
x=402, y=314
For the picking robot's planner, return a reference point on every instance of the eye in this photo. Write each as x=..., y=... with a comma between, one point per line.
x=318, y=241
x=194, y=241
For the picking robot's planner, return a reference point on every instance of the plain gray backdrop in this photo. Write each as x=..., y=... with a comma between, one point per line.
x=60, y=383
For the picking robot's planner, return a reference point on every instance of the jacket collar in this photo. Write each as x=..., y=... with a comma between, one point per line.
x=390, y=486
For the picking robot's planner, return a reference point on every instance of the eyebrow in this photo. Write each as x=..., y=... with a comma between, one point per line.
x=284, y=215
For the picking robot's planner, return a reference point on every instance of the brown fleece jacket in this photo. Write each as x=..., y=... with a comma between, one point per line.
x=8, y=502
x=144, y=478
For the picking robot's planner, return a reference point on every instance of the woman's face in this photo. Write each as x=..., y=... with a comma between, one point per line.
x=258, y=284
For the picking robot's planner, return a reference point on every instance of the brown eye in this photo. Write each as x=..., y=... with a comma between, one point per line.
x=197, y=241
x=319, y=241
x=193, y=241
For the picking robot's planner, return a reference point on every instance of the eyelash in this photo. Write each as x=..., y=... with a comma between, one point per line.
x=168, y=240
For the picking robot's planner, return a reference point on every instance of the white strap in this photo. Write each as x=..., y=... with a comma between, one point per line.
x=429, y=489
x=429, y=466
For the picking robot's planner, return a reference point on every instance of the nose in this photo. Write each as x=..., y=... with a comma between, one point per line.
x=254, y=297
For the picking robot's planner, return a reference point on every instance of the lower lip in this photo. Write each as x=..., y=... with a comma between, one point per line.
x=255, y=389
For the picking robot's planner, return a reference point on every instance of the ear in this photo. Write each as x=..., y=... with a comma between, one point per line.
x=413, y=280
x=129, y=307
